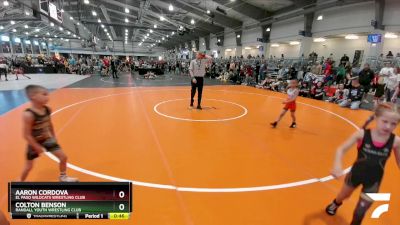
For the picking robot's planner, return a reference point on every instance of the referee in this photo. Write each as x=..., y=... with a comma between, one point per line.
x=197, y=70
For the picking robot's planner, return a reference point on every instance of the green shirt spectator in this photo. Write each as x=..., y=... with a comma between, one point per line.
x=340, y=74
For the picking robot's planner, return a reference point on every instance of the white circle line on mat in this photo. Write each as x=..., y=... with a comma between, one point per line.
x=198, y=120
x=195, y=189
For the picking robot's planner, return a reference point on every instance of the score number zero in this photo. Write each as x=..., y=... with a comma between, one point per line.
x=121, y=194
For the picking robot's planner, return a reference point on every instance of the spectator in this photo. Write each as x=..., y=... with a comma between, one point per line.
x=3, y=68
x=366, y=76
x=354, y=96
x=100, y=64
x=304, y=90
x=386, y=71
x=106, y=64
x=232, y=67
x=349, y=76
x=72, y=61
x=40, y=60
x=281, y=72
x=396, y=94
x=391, y=84
x=292, y=73
x=184, y=67
x=316, y=68
x=114, y=66
x=340, y=74
x=380, y=58
x=330, y=58
x=257, y=71
x=328, y=72
x=318, y=91
x=177, y=72
x=340, y=94
x=308, y=78
x=263, y=70
x=275, y=86
x=266, y=84
x=328, y=68
x=213, y=70
x=66, y=66
x=313, y=56
x=344, y=60
x=248, y=73
x=389, y=55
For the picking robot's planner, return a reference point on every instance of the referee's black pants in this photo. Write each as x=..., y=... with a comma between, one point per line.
x=114, y=73
x=199, y=85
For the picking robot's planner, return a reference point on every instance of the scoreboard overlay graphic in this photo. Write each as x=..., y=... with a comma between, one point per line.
x=81, y=200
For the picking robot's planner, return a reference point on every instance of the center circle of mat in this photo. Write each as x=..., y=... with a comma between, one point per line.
x=158, y=111
x=200, y=189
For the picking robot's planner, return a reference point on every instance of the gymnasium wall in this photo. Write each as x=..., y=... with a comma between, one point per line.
x=391, y=18
x=290, y=51
x=229, y=38
x=229, y=52
x=120, y=48
x=213, y=42
x=391, y=45
x=340, y=46
x=253, y=51
x=287, y=30
x=345, y=19
x=337, y=22
x=249, y=37
x=201, y=46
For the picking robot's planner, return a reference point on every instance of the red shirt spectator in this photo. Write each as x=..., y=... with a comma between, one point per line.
x=106, y=62
x=328, y=69
x=249, y=71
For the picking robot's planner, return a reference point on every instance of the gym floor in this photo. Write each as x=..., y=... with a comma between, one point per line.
x=221, y=165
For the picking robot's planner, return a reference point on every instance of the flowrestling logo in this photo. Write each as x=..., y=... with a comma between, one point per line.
x=380, y=197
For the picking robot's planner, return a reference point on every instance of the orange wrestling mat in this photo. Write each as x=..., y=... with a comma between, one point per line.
x=222, y=165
